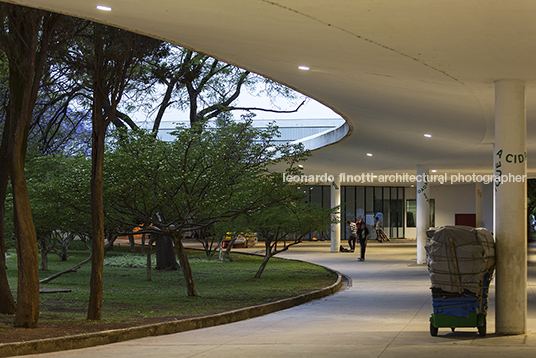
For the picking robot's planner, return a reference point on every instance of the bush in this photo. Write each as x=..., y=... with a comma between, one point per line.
x=129, y=260
x=10, y=243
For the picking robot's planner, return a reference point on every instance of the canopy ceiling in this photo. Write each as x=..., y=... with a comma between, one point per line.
x=394, y=70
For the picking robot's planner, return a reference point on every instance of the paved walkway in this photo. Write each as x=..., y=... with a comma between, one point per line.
x=384, y=313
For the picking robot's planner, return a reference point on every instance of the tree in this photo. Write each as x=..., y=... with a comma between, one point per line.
x=113, y=57
x=25, y=40
x=206, y=87
x=58, y=186
x=207, y=175
x=286, y=222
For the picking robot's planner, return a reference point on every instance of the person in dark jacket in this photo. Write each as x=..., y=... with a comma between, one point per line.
x=362, y=235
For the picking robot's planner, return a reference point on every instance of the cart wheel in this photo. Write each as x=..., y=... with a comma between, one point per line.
x=433, y=330
x=482, y=329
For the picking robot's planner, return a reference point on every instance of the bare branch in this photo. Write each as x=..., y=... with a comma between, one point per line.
x=72, y=269
x=266, y=109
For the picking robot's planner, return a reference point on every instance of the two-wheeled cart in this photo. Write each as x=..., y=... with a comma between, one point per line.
x=461, y=262
x=381, y=236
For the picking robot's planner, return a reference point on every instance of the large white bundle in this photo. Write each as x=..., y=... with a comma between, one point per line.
x=461, y=259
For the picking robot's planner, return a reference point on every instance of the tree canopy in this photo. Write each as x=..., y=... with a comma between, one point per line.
x=207, y=175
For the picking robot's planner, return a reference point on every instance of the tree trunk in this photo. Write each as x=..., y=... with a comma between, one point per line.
x=230, y=246
x=97, y=212
x=149, y=263
x=142, y=243
x=97, y=223
x=131, y=243
x=165, y=254
x=26, y=27
x=220, y=250
x=20, y=112
x=267, y=256
x=99, y=126
x=164, y=105
x=7, y=302
x=44, y=258
x=28, y=279
x=263, y=266
x=64, y=253
x=28, y=259
x=186, y=269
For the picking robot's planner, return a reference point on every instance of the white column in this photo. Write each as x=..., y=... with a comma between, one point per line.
x=336, y=201
x=510, y=207
x=423, y=211
x=479, y=209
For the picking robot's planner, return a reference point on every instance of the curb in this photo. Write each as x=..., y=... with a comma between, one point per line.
x=121, y=335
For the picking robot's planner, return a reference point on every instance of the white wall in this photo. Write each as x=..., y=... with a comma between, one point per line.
x=456, y=199
x=487, y=205
x=452, y=199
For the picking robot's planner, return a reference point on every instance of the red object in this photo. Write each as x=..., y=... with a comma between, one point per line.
x=465, y=219
x=236, y=245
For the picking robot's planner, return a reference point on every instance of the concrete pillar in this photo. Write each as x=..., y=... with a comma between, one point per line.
x=479, y=209
x=510, y=207
x=336, y=201
x=423, y=211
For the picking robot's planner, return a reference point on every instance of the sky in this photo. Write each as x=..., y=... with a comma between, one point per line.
x=310, y=110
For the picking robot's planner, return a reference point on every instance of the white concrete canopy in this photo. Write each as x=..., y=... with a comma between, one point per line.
x=394, y=70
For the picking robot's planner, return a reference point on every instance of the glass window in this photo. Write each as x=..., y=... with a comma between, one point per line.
x=315, y=195
x=326, y=196
x=369, y=197
x=347, y=209
x=411, y=212
x=360, y=202
x=368, y=202
x=349, y=201
x=378, y=204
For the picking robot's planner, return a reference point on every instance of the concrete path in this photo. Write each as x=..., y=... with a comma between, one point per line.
x=384, y=313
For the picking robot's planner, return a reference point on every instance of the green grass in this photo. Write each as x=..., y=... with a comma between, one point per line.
x=129, y=297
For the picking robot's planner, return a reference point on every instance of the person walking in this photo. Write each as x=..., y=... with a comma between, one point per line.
x=362, y=236
x=353, y=235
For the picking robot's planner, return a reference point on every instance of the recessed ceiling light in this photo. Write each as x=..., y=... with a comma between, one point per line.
x=303, y=68
x=104, y=8
x=428, y=135
x=369, y=154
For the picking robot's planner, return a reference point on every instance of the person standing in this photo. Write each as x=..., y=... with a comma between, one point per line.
x=359, y=225
x=378, y=228
x=353, y=235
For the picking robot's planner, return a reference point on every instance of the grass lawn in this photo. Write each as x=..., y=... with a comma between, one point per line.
x=130, y=300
